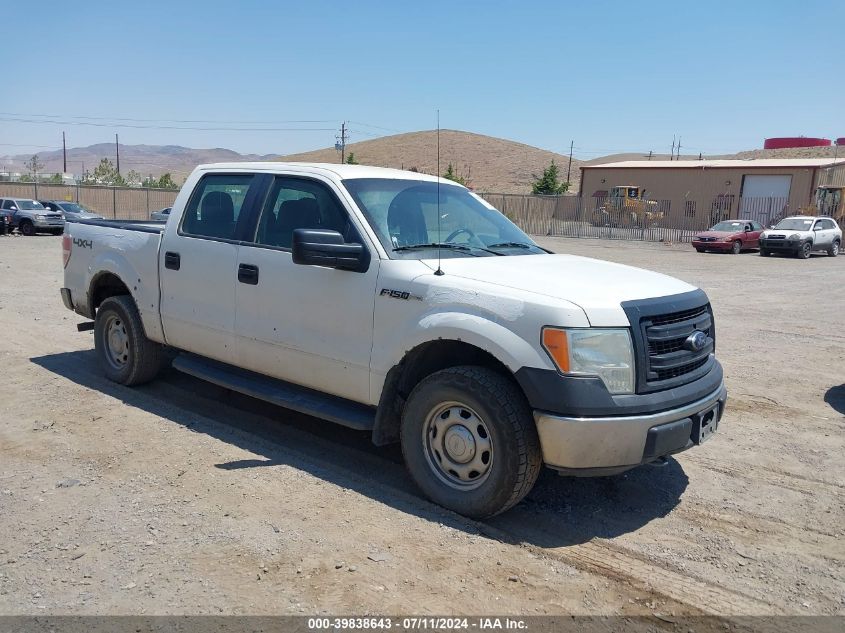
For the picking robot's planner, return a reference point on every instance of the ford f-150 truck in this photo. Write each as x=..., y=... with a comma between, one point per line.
x=406, y=306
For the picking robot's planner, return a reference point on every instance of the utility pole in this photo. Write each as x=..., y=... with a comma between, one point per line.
x=117, y=153
x=341, y=142
x=569, y=169
x=679, y=148
x=672, y=153
x=64, y=154
x=650, y=153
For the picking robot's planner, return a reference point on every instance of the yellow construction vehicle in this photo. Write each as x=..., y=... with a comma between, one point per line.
x=626, y=206
x=829, y=201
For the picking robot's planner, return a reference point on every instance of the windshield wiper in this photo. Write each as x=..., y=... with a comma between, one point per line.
x=510, y=245
x=458, y=247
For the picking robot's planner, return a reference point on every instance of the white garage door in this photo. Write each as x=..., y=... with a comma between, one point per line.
x=766, y=186
x=764, y=197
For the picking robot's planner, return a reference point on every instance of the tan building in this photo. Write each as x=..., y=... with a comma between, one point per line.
x=705, y=190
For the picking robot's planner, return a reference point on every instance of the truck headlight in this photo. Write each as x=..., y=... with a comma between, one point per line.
x=794, y=237
x=603, y=352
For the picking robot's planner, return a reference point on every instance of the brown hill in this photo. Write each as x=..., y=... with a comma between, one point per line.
x=488, y=163
x=145, y=159
x=793, y=152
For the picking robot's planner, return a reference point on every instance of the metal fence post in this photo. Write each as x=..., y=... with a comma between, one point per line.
x=148, y=201
x=114, y=202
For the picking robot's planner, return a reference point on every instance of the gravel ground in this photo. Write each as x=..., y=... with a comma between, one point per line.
x=182, y=498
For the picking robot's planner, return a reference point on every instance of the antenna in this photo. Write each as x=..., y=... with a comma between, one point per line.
x=439, y=270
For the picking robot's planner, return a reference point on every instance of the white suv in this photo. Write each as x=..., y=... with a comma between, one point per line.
x=800, y=235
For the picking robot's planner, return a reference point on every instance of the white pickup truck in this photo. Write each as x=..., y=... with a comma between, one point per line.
x=408, y=307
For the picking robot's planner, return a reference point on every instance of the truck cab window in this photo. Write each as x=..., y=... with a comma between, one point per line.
x=215, y=206
x=296, y=203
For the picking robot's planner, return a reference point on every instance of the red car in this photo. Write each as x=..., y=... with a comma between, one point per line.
x=729, y=236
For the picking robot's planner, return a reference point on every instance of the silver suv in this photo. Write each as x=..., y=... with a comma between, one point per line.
x=31, y=217
x=800, y=235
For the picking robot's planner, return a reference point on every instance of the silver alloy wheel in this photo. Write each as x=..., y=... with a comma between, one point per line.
x=737, y=247
x=116, y=341
x=805, y=250
x=835, y=249
x=457, y=444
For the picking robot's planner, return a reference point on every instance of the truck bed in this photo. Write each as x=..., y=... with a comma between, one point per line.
x=146, y=226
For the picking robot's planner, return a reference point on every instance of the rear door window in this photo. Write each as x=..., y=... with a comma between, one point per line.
x=215, y=206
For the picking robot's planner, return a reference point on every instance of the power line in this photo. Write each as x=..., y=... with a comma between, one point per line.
x=109, y=118
x=171, y=127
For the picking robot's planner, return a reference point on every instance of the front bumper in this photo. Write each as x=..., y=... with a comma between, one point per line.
x=790, y=246
x=48, y=224
x=612, y=444
x=713, y=246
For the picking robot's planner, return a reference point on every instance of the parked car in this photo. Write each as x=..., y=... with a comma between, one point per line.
x=161, y=215
x=800, y=235
x=31, y=217
x=729, y=236
x=404, y=305
x=5, y=222
x=71, y=210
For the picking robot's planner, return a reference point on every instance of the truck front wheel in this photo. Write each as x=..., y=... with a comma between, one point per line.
x=26, y=228
x=469, y=441
x=127, y=356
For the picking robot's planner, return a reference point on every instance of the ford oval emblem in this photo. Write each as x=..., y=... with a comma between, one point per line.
x=696, y=341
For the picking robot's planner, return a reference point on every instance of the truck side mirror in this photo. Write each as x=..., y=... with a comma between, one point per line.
x=319, y=247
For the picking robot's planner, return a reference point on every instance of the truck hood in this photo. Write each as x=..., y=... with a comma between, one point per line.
x=597, y=287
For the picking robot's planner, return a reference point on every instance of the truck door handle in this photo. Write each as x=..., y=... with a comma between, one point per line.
x=248, y=274
x=173, y=261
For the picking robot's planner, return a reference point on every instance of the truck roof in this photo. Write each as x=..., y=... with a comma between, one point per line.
x=342, y=171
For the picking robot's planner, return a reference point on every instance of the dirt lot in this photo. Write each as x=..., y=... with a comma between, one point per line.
x=179, y=497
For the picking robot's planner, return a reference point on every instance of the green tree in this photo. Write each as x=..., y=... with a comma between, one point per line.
x=549, y=183
x=166, y=182
x=33, y=166
x=350, y=160
x=452, y=174
x=106, y=174
x=133, y=178
x=55, y=179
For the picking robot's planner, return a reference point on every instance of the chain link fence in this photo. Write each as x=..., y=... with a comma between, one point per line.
x=648, y=220
x=121, y=203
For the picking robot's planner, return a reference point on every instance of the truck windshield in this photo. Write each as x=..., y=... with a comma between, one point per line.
x=404, y=215
x=29, y=205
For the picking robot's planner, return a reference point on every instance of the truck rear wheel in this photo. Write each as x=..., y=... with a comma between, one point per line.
x=469, y=441
x=833, y=251
x=127, y=356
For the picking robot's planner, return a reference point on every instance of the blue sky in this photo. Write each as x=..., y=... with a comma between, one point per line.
x=613, y=76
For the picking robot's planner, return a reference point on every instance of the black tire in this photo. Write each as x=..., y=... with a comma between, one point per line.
x=142, y=358
x=736, y=247
x=764, y=252
x=514, y=457
x=26, y=228
x=804, y=250
x=833, y=251
x=700, y=250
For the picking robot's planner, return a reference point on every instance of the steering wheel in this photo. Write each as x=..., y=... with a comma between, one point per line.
x=457, y=232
